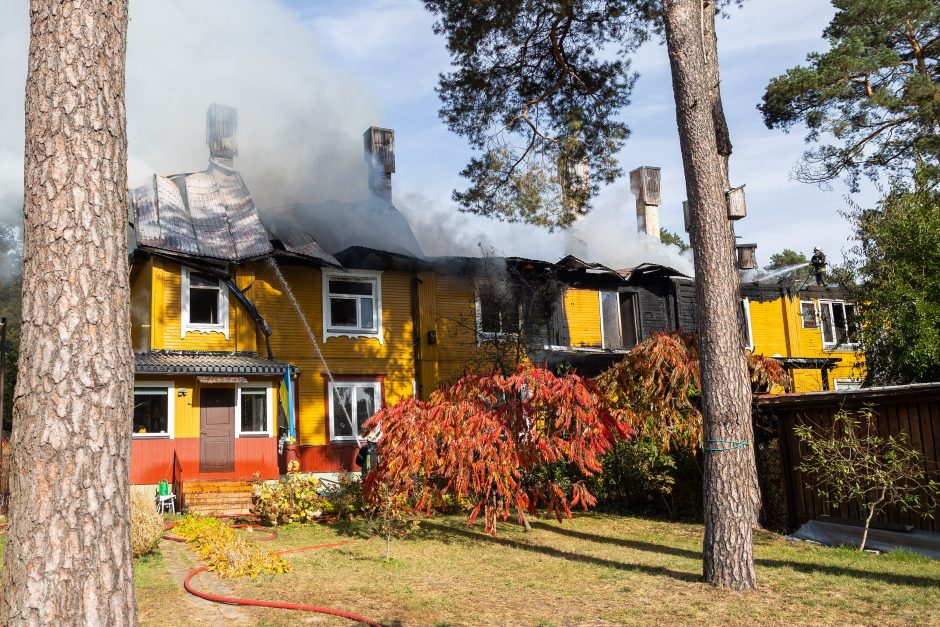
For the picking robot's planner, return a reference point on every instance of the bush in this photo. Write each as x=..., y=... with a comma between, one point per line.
x=294, y=498
x=223, y=552
x=146, y=524
x=344, y=500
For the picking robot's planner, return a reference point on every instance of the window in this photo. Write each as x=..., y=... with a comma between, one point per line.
x=351, y=405
x=839, y=324
x=746, y=331
x=153, y=411
x=629, y=318
x=497, y=310
x=808, y=314
x=205, y=304
x=610, y=320
x=353, y=304
x=254, y=414
x=847, y=384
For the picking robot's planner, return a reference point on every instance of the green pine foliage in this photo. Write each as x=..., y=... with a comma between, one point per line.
x=785, y=258
x=872, y=101
x=674, y=239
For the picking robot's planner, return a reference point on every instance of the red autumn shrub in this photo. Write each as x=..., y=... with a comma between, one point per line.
x=484, y=439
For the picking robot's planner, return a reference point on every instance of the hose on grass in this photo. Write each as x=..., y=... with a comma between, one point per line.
x=187, y=583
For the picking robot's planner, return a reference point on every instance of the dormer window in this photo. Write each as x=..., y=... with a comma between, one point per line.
x=352, y=304
x=205, y=304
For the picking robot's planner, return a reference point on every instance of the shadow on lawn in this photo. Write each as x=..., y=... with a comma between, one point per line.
x=802, y=567
x=552, y=552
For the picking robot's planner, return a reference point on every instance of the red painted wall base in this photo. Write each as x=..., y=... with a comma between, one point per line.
x=328, y=458
x=152, y=460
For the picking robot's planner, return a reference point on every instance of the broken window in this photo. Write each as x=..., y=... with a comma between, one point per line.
x=254, y=411
x=629, y=320
x=839, y=324
x=151, y=411
x=497, y=310
x=610, y=320
x=808, y=314
x=351, y=405
x=353, y=304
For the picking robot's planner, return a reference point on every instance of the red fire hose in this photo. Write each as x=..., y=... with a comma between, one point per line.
x=273, y=604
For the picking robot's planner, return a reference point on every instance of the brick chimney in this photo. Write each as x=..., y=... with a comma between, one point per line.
x=644, y=183
x=379, y=144
x=221, y=127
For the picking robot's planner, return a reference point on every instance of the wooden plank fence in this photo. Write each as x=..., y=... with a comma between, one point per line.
x=912, y=411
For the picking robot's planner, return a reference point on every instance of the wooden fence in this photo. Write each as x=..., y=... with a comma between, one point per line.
x=913, y=411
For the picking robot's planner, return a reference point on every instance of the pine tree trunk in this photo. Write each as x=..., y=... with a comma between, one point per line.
x=68, y=555
x=723, y=139
x=726, y=396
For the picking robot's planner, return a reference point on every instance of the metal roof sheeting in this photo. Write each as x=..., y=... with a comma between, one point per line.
x=204, y=214
x=206, y=363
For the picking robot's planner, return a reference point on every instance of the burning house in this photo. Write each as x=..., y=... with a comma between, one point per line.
x=263, y=335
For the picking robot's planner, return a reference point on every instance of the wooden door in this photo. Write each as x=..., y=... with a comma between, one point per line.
x=217, y=430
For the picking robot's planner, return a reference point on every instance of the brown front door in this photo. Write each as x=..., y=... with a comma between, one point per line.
x=217, y=430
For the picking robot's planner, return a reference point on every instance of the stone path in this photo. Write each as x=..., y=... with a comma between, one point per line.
x=179, y=560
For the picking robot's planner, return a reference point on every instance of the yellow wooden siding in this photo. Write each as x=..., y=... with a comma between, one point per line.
x=362, y=357
x=777, y=330
x=583, y=314
x=141, y=280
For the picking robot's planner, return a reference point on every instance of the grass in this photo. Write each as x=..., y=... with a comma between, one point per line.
x=617, y=569
x=599, y=569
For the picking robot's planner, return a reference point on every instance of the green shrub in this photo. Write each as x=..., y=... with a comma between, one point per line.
x=344, y=499
x=146, y=524
x=293, y=498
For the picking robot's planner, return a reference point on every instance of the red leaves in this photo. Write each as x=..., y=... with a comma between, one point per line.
x=483, y=439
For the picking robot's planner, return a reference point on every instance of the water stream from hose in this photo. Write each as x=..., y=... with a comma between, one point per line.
x=285, y=287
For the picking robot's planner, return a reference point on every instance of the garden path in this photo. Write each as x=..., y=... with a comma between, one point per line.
x=179, y=562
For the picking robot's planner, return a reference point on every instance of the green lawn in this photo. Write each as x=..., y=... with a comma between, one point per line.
x=618, y=569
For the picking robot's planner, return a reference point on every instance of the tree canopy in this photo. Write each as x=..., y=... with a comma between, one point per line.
x=784, y=258
x=535, y=96
x=897, y=270
x=872, y=101
x=668, y=237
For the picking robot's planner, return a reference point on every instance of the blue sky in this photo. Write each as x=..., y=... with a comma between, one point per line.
x=389, y=46
x=309, y=77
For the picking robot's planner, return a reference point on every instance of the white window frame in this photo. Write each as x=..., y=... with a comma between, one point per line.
x=372, y=276
x=489, y=336
x=170, y=409
x=269, y=403
x=186, y=326
x=815, y=313
x=746, y=302
x=856, y=384
x=376, y=384
x=834, y=345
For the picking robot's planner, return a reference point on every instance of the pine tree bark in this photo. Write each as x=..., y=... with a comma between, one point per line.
x=68, y=554
x=723, y=139
x=726, y=395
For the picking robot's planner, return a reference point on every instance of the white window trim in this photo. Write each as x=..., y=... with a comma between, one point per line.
x=487, y=336
x=375, y=276
x=170, y=409
x=815, y=313
x=836, y=382
x=835, y=345
x=269, y=402
x=186, y=326
x=379, y=404
x=747, y=320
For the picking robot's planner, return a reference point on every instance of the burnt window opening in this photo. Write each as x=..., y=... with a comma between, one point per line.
x=839, y=324
x=808, y=315
x=204, y=299
x=254, y=410
x=619, y=320
x=629, y=319
x=151, y=412
x=497, y=310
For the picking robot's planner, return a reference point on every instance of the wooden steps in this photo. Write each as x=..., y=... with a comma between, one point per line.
x=220, y=497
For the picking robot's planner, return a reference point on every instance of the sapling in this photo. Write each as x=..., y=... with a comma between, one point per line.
x=849, y=461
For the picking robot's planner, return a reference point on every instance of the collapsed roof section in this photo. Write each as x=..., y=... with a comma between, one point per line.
x=204, y=214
